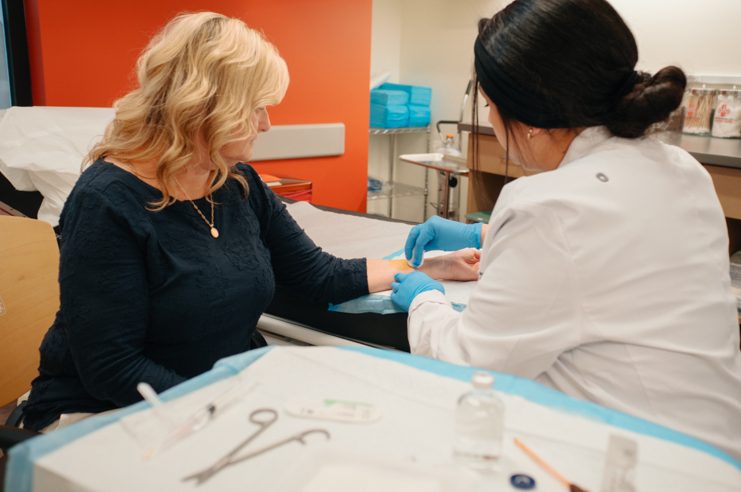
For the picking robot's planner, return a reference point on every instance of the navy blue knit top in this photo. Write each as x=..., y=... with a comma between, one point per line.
x=151, y=296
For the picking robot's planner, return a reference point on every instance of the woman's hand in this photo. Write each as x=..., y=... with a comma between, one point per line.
x=460, y=265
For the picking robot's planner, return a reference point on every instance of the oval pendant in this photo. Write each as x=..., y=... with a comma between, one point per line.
x=214, y=232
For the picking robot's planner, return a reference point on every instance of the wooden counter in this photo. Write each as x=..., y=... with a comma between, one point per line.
x=488, y=176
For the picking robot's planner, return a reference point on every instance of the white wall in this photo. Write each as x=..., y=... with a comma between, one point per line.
x=385, y=59
x=386, y=28
x=701, y=36
x=435, y=48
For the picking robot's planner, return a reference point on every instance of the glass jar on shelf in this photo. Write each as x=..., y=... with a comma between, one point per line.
x=727, y=115
x=698, y=116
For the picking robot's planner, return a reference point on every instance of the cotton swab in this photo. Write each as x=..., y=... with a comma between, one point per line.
x=554, y=473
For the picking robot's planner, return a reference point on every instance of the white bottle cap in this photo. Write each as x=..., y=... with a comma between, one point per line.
x=482, y=380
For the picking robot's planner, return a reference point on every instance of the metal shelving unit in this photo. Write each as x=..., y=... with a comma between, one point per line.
x=391, y=189
x=395, y=190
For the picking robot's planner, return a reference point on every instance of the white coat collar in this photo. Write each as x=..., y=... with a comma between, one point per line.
x=584, y=143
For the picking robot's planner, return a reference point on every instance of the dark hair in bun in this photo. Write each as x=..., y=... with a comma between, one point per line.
x=650, y=100
x=571, y=64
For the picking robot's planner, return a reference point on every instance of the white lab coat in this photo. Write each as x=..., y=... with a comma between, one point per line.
x=607, y=279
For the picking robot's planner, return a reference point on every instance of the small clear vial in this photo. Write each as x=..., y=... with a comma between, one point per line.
x=479, y=425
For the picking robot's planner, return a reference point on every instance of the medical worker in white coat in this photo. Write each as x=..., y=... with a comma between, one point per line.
x=605, y=273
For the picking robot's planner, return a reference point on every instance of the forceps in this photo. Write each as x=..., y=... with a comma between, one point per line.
x=263, y=418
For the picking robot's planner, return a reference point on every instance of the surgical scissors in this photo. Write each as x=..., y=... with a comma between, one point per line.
x=263, y=418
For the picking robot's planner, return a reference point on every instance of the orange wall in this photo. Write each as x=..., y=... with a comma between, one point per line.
x=83, y=54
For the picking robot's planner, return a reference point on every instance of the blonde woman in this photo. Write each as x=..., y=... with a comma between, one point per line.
x=171, y=246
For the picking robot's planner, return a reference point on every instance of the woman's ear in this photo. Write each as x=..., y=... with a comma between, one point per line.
x=533, y=132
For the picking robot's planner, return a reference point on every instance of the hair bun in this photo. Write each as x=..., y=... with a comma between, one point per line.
x=651, y=100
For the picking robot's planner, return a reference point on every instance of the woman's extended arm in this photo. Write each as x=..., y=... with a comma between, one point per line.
x=298, y=262
x=461, y=265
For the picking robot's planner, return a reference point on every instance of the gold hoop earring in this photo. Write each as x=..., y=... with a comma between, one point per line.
x=530, y=133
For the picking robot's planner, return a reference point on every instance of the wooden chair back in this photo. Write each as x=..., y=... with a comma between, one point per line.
x=29, y=299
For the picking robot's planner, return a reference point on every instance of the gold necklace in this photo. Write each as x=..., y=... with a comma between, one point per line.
x=214, y=230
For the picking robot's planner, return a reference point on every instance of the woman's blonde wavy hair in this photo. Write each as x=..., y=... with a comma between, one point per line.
x=200, y=80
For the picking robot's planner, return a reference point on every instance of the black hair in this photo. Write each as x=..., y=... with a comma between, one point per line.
x=571, y=64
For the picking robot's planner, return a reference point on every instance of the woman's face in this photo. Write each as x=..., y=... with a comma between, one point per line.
x=496, y=121
x=241, y=150
x=536, y=153
x=500, y=131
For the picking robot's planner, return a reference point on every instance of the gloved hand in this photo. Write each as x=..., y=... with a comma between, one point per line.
x=410, y=285
x=439, y=233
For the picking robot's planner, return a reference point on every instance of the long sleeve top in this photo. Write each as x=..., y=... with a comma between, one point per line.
x=151, y=297
x=607, y=279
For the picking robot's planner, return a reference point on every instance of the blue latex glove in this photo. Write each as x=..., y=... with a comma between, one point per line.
x=439, y=233
x=410, y=285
